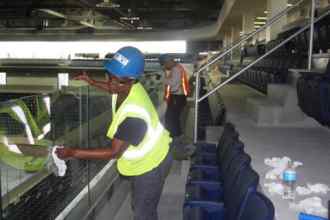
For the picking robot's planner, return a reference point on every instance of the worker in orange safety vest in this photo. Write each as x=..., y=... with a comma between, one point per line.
x=176, y=91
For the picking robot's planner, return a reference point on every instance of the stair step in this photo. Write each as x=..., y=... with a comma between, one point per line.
x=263, y=111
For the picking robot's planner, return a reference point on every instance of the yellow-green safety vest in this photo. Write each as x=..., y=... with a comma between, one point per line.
x=152, y=150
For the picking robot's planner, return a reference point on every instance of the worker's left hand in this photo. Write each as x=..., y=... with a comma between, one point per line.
x=64, y=153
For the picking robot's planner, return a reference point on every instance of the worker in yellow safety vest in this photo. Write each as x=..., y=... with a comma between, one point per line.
x=140, y=143
x=176, y=91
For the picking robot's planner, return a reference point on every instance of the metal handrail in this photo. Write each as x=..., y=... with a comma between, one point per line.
x=311, y=36
x=262, y=57
x=197, y=86
x=252, y=34
x=197, y=99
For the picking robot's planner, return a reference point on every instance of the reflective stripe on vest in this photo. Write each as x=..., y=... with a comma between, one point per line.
x=152, y=135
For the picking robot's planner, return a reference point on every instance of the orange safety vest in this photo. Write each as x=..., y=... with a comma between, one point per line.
x=184, y=84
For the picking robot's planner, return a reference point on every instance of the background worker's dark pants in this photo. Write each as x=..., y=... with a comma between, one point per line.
x=147, y=189
x=175, y=107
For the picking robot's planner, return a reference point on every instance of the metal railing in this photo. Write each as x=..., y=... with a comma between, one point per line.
x=223, y=54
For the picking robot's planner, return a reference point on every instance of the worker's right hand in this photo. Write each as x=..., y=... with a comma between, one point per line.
x=64, y=153
x=83, y=77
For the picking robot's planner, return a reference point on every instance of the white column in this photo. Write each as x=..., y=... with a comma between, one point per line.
x=3, y=78
x=63, y=80
x=248, y=19
x=274, y=7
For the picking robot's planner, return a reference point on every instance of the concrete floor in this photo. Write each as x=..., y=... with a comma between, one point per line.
x=308, y=145
x=171, y=202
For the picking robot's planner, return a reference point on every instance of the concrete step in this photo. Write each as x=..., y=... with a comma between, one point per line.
x=278, y=92
x=263, y=111
x=266, y=112
x=213, y=134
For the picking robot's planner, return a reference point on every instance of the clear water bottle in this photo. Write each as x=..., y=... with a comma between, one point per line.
x=289, y=182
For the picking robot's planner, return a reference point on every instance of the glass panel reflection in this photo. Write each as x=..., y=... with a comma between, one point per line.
x=29, y=126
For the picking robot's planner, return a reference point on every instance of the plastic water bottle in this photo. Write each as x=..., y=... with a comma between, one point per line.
x=289, y=182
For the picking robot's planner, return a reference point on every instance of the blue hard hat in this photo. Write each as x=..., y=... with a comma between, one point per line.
x=164, y=58
x=126, y=62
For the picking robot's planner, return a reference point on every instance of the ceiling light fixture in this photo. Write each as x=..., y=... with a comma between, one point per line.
x=259, y=22
x=144, y=28
x=130, y=18
x=261, y=18
x=289, y=5
x=266, y=12
x=107, y=4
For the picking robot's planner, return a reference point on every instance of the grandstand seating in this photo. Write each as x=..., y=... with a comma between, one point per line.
x=293, y=55
x=313, y=91
x=225, y=188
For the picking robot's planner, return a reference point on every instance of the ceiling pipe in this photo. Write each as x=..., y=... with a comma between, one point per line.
x=92, y=5
x=200, y=33
x=60, y=15
x=84, y=23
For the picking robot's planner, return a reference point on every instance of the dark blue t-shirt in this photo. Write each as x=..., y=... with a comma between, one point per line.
x=131, y=130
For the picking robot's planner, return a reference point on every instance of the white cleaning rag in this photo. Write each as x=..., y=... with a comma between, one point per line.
x=312, y=206
x=303, y=191
x=274, y=188
x=318, y=188
x=60, y=164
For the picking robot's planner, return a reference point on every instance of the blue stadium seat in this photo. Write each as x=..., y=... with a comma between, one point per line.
x=234, y=197
x=207, y=148
x=258, y=207
x=300, y=92
x=226, y=175
x=229, y=143
x=204, y=211
x=325, y=102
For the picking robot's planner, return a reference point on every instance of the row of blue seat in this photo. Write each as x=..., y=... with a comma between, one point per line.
x=300, y=44
x=271, y=70
x=314, y=97
x=292, y=55
x=222, y=184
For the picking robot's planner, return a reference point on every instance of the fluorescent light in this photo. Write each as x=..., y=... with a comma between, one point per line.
x=259, y=22
x=144, y=28
x=207, y=53
x=3, y=78
x=257, y=26
x=266, y=12
x=62, y=50
x=130, y=18
x=261, y=18
x=289, y=5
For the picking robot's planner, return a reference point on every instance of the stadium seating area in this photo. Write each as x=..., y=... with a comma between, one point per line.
x=275, y=68
x=314, y=95
x=223, y=185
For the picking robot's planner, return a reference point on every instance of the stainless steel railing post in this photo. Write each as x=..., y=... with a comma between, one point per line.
x=197, y=88
x=311, y=36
